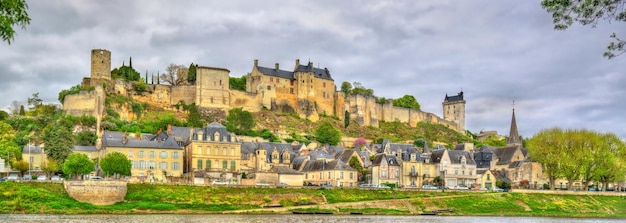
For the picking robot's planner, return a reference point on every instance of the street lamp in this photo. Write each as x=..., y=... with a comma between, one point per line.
x=29, y=158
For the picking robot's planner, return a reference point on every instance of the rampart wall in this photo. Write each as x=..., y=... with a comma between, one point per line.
x=98, y=192
x=185, y=93
x=84, y=103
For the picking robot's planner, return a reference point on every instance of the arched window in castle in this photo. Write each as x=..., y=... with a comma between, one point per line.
x=292, y=82
x=216, y=136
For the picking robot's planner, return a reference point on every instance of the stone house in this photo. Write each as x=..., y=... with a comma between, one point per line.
x=35, y=156
x=214, y=149
x=455, y=167
x=335, y=172
x=385, y=168
x=152, y=158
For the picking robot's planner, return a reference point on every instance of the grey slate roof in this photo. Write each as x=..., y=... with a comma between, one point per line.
x=319, y=165
x=458, y=97
x=456, y=155
x=505, y=155
x=483, y=159
x=345, y=155
x=319, y=73
x=435, y=156
x=208, y=133
x=33, y=149
x=389, y=159
x=276, y=73
x=285, y=170
x=298, y=162
x=111, y=140
x=320, y=154
x=251, y=147
x=86, y=148
x=182, y=134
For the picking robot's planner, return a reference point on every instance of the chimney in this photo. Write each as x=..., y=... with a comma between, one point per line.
x=159, y=132
x=276, y=66
x=190, y=134
x=169, y=129
x=297, y=64
x=256, y=63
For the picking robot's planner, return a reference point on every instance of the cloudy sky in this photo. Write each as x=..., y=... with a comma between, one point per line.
x=494, y=51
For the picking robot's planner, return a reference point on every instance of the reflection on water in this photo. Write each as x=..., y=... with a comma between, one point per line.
x=170, y=218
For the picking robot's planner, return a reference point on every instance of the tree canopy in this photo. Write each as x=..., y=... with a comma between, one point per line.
x=589, y=12
x=8, y=147
x=12, y=13
x=238, y=83
x=407, y=101
x=326, y=133
x=191, y=74
x=579, y=155
x=127, y=73
x=239, y=121
x=116, y=163
x=78, y=164
x=57, y=137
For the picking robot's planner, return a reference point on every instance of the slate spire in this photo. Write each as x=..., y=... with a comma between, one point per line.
x=514, y=138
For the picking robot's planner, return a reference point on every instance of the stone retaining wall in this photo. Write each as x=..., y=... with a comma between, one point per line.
x=569, y=192
x=98, y=192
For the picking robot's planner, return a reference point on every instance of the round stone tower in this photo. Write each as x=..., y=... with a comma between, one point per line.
x=100, y=65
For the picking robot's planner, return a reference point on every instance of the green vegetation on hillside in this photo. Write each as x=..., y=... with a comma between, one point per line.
x=238, y=83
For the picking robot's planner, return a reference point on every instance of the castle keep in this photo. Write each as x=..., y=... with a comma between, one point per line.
x=306, y=90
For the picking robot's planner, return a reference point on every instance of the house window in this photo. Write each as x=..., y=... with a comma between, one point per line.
x=456, y=172
x=328, y=174
x=412, y=170
x=292, y=82
x=175, y=166
x=321, y=176
x=163, y=155
x=271, y=79
x=141, y=154
x=142, y=164
x=384, y=173
x=306, y=176
x=130, y=154
x=324, y=84
x=488, y=177
x=208, y=150
x=470, y=172
x=232, y=151
x=397, y=174
x=208, y=164
x=341, y=175
x=152, y=165
x=463, y=172
x=151, y=154
x=163, y=165
x=224, y=164
x=351, y=176
x=199, y=165
x=175, y=155
x=233, y=164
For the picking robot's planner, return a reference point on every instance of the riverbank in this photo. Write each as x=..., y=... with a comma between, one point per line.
x=51, y=198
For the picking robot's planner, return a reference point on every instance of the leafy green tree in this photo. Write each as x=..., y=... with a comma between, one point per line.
x=50, y=167
x=78, y=164
x=116, y=164
x=267, y=134
x=346, y=88
x=611, y=160
x=419, y=143
x=438, y=181
x=589, y=12
x=194, y=118
x=238, y=83
x=58, y=140
x=326, y=133
x=139, y=86
x=21, y=165
x=3, y=115
x=545, y=147
x=239, y=121
x=191, y=74
x=35, y=101
x=359, y=89
x=407, y=101
x=22, y=112
x=86, y=138
x=8, y=148
x=12, y=13
x=127, y=73
x=355, y=164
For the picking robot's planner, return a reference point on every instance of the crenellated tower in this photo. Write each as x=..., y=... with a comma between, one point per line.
x=454, y=110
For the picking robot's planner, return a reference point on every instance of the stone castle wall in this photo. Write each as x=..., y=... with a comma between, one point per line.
x=85, y=102
x=98, y=192
x=366, y=111
x=245, y=100
x=185, y=93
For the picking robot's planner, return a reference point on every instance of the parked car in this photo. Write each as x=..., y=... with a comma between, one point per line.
x=383, y=187
x=497, y=189
x=262, y=184
x=219, y=182
x=96, y=178
x=367, y=186
x=430, y=187
x=13, y=177
x=55, y=178
x=27, y=177
x=3, y=179
x=282, y=185
x=326, y=185
x=42, y=177
x=461, y=188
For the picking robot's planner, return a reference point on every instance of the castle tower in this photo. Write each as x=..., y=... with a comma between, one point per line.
x=100, y=65
x=454, y=110
x=514, y=139
x=212, y=87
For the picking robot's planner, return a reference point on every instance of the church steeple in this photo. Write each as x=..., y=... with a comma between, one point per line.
x=514, y=138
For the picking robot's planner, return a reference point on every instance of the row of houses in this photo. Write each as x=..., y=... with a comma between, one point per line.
x=201, y=155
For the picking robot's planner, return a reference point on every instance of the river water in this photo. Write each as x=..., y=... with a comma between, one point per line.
x=171, y=218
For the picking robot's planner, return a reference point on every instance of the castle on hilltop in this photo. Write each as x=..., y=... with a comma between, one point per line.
x=306, y=90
